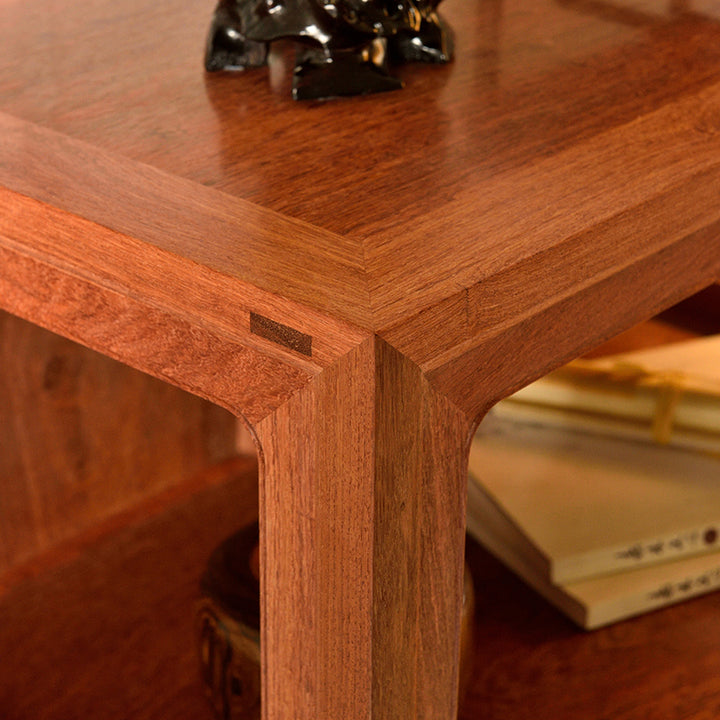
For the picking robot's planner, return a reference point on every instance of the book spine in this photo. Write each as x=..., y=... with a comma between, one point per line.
x=671, y=592
x=662, y=595
x=642, y=553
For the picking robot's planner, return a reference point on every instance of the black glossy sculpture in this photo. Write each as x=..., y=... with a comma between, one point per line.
x=346, y=46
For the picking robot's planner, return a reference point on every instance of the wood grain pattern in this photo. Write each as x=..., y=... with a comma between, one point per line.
x=199, y=224
x=440, y=246
x=83, y=437
x=149, y=339
x=421, y=447
x=361, y=542
x=579, y=105
x=163, y=279
x=110, y=633
x=577, y=323
x=671, y=217
x=590, y=211
x=120, y=650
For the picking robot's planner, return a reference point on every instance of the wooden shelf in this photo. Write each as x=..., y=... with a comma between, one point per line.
x=110, y=633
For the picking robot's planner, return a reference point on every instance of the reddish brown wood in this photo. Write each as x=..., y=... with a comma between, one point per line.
x=111, y=633
x=126, y=649
x=552, y=187
x=67, y=551
x=152, y=340
x=83, y=438
x=194, y=231
x=120, y=650
x=362, y=508
x=374, y=251
x=575, y=323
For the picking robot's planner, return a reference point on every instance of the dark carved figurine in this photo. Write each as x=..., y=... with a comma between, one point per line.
x=346, y=45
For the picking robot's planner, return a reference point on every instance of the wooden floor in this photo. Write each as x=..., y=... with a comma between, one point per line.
x=109, y=634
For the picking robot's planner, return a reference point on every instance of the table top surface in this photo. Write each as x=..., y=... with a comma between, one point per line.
x=568, y=139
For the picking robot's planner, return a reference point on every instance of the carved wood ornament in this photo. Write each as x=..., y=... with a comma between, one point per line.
x=345, y=46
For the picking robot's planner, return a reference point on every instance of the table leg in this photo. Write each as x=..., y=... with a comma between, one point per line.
x=362, y=511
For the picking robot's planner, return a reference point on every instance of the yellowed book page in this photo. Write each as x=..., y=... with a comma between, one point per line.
x=693, y=364
x=599, y=601
x=592, y=504
x=667, y=395
x=616, y=597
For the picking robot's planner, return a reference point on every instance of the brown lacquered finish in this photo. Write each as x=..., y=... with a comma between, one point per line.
x=122, y=652
x=84, y=438
x=359, y=280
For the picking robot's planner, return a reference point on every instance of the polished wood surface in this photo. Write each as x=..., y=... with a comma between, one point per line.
x=353, y=443
x=292, y=262
x=110, y=634
x=78, y=643
x=83, y=438
x=554, y=137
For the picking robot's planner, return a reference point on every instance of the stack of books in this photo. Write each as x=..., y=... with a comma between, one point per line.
x=599, y=485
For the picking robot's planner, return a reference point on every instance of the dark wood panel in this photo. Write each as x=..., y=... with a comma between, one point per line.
x=700, y=312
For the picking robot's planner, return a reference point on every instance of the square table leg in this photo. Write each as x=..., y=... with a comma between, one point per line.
x=362, y=512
